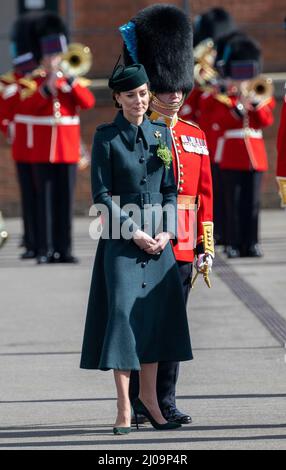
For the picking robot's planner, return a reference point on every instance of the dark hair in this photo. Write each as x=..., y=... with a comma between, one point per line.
x=116, y=104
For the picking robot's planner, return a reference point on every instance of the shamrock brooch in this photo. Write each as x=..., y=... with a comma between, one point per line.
x=163, y=151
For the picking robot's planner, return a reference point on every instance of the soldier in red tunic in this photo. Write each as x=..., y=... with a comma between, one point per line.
x=171, y=78
x=281, y=155
x=208, y=28
x=51, y=116
x=13, y=85
x=239, y=115
x=16, y=84
x=213, y=131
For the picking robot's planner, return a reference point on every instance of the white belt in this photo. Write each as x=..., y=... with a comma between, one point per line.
x=47, y=120
x=241, y=133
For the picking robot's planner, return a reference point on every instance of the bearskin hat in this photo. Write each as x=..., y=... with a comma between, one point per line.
x=212, y=24
x=50, y=23
x=160, y=37
x=241, y=58
x=23, y=35
x=224, y=40
x=29, y=28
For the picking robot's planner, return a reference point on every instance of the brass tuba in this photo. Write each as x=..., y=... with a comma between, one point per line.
x=3, y=231
x=77, y=61
x=258, y=89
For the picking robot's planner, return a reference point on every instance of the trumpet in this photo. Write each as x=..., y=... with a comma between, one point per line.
x=204, y=54
x=77, y=61
x=3, y=231
x=258, y=89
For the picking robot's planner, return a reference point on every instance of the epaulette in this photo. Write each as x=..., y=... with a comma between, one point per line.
x=29, y=88
x=224, y=99
x=191, y=123
x=105, y=126
x=8, y=77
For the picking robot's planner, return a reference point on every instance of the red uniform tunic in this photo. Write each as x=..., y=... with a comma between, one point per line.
x=281, y=155
x=195, y=199
x=208, y=123
x=9, y=85
x=238, y=141
x=17, y=86
x=52, y=123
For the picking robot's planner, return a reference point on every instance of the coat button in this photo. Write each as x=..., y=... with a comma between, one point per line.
x=181, y=190
x=181, y=165
x=144, y=180
x=142, y=160
x=143, y=265
x=182, y=173
x=179, y=151
x=182, y=181
x=144, y=285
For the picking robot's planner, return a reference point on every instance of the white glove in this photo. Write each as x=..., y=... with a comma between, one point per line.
x=204, y=260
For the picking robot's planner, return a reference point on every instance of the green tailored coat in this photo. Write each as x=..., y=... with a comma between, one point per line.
x=136, y=311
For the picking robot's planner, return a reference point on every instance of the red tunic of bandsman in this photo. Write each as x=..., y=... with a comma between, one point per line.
x=51, y=124
x=17, y=85
x=236, y=140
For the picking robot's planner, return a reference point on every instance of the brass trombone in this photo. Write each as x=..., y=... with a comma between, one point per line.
x=258, y=89
x=77, y=61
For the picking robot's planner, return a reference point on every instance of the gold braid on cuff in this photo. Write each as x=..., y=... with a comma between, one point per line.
x=208, y=238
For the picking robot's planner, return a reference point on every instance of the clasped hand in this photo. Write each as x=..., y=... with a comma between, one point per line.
x=152, y=246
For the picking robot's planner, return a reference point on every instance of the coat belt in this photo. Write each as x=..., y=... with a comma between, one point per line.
x=47, y=120
x=140, y=199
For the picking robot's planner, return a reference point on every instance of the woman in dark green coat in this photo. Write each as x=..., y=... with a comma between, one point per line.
x=136, y=313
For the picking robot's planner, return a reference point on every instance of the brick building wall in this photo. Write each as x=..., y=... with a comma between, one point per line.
x=95, y=23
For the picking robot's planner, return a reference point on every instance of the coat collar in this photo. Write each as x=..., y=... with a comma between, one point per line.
x=130, y=132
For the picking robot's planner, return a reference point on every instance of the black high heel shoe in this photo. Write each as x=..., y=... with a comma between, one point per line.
x=140, y=409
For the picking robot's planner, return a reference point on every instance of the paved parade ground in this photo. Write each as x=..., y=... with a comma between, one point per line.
x=235, y=389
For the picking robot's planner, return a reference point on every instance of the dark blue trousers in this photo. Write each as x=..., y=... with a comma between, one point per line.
x=168, y=372
x=55, y=194
x=27, y=183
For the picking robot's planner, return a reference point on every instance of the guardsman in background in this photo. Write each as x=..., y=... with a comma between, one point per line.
x=15, y=84
x=52, y=117
x=213, y=131
x=151, y=38
x=208, y=28
x=239, y=114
